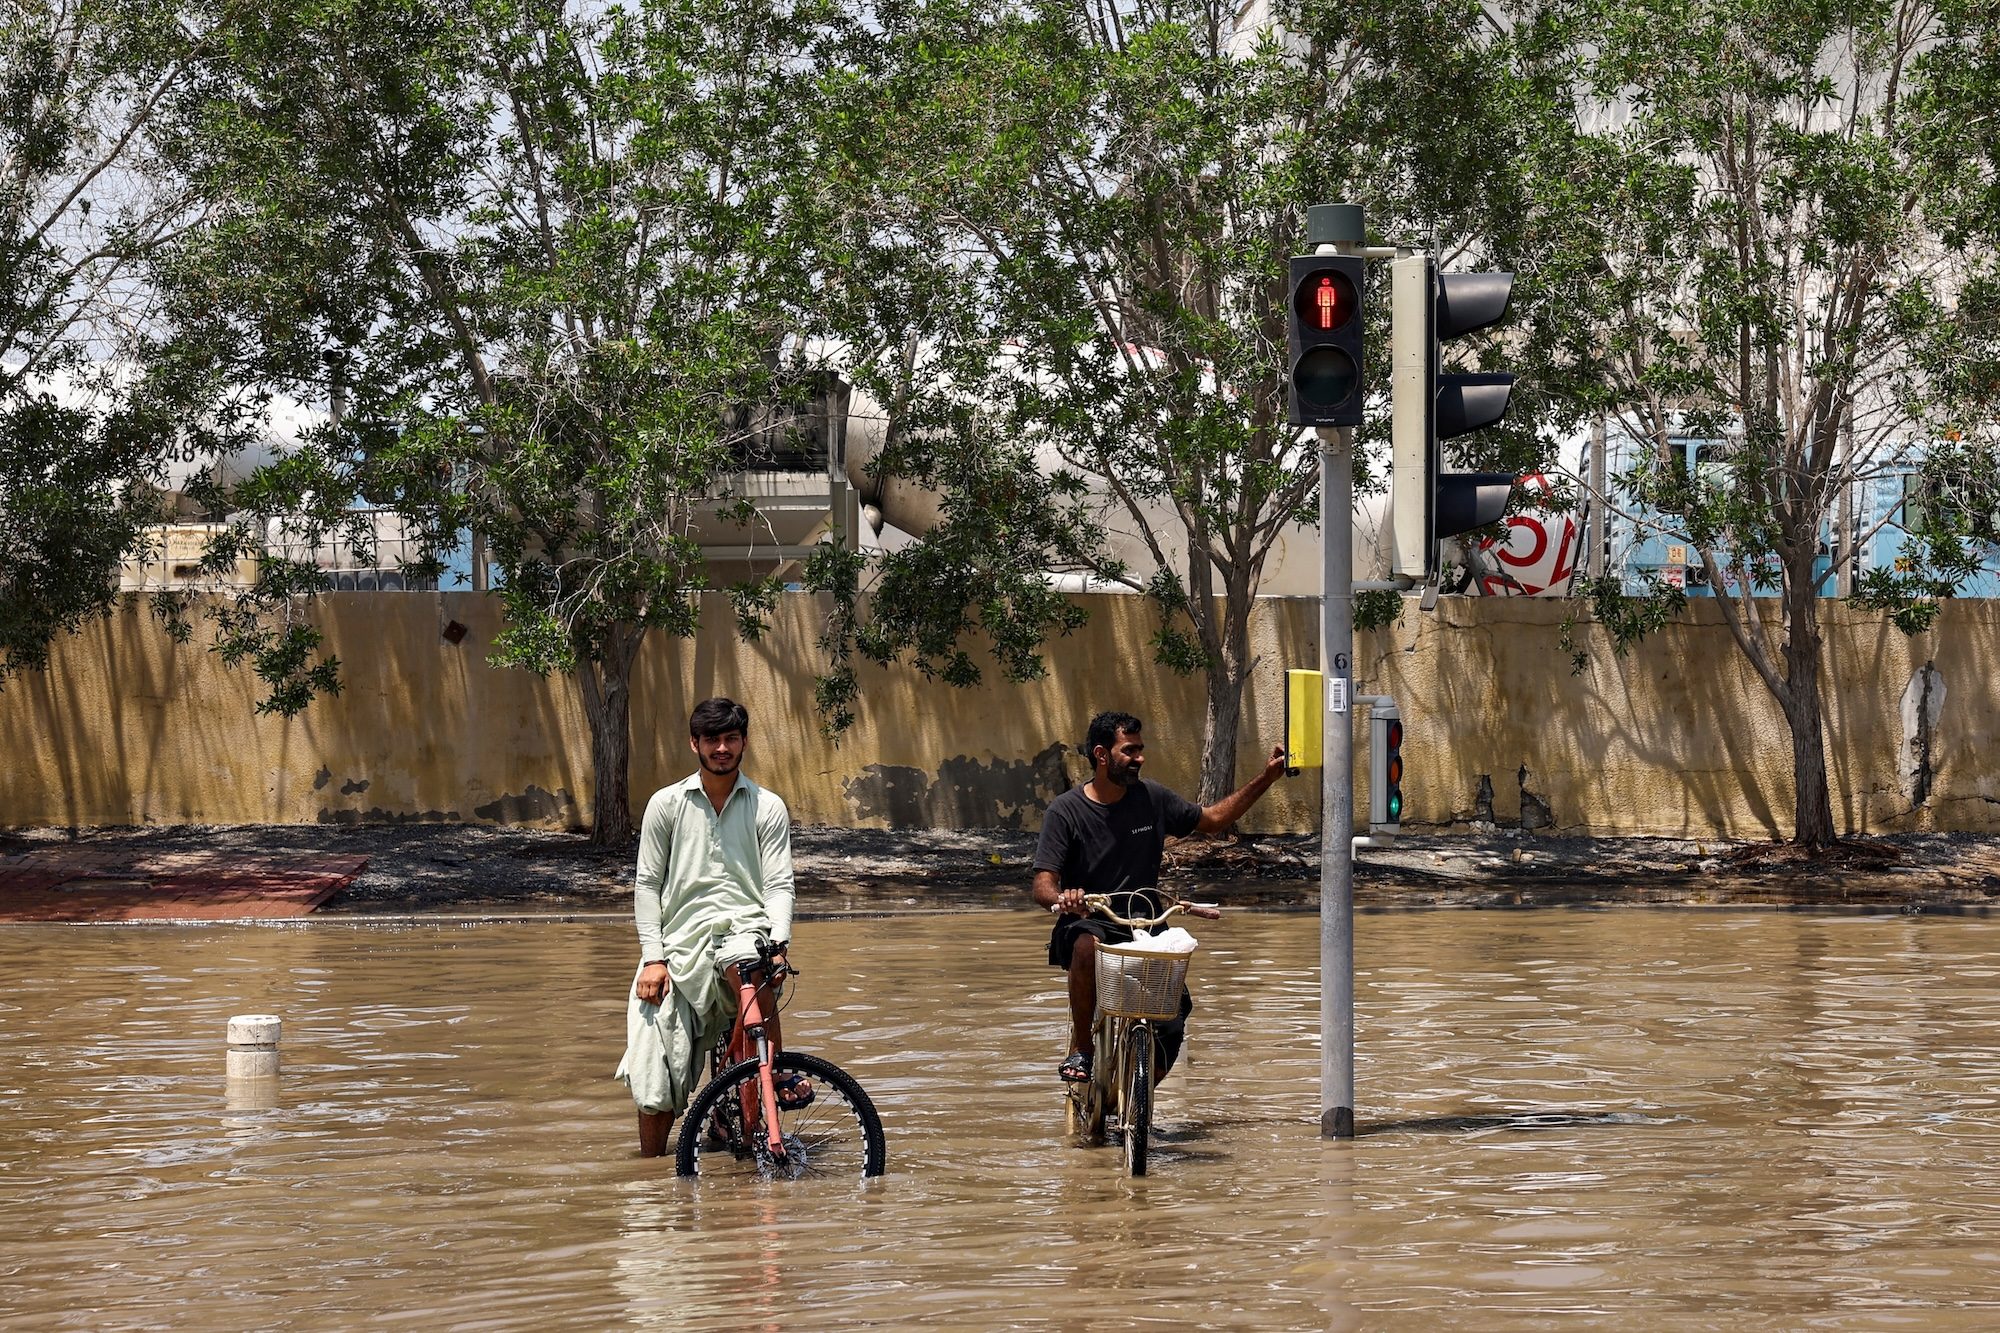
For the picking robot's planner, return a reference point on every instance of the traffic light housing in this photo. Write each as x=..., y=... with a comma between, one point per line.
x=1324, y=336
x=1427, y=503
x=1385, y=768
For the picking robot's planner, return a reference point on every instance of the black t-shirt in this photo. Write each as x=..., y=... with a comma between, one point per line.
x=1114, y=849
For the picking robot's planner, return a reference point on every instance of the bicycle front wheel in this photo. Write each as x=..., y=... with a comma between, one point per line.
x=838, y=1134
x=1139, y=1100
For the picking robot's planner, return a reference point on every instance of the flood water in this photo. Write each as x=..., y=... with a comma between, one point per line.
x=1613, y=1119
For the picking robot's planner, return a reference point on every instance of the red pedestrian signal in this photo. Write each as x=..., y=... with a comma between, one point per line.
x=1325, y=342
x=1326, y=299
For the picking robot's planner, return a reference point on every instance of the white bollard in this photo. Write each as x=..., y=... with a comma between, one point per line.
x=253, y=1046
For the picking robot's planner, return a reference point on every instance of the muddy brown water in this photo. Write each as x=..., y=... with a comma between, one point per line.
x=1611, y=1119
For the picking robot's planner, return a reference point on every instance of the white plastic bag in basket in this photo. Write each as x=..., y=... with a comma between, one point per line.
x=1171, y=940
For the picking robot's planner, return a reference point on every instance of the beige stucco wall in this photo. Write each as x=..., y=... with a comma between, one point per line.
x=1678, y=737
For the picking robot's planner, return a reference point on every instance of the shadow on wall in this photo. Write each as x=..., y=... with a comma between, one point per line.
x=427, y=730
x=963, y=793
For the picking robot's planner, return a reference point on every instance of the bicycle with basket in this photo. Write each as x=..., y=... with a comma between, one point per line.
x=1137, y=988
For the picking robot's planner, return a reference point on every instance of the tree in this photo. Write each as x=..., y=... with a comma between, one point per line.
x=1095, y=204
x=93, y=401
x=1769, y=227
x=564, y=255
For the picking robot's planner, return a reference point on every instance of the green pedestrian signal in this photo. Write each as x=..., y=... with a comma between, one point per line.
x=1385, y=768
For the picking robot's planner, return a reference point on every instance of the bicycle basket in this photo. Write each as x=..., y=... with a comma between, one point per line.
x=1133, y=983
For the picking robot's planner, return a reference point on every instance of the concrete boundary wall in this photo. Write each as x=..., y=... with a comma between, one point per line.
x=1676, y=738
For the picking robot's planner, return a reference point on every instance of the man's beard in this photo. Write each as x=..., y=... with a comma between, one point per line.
x=719, y=769
x=1124, y=774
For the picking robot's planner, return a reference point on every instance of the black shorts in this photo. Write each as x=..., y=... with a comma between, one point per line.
x=1062, y=947
x=1062, y=940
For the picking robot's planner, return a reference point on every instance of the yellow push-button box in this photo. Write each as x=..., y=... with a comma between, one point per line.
x=1304, y=697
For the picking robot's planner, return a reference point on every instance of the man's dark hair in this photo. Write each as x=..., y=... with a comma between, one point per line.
x=1104, y=729
x=718, y=717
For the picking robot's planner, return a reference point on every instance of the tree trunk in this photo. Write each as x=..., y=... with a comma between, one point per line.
x=1812, y=806
x=1224, y=710
x=607, y=705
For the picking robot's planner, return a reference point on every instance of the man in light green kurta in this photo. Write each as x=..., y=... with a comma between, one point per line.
x=714, y=877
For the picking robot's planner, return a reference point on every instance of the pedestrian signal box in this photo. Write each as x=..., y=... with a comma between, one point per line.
x=1324, y=334
x=1304, y=696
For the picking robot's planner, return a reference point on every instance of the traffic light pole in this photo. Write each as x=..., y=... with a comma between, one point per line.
x=1325, y=354
x=1336, y=853
x=1326, y=393
x=1336, y=229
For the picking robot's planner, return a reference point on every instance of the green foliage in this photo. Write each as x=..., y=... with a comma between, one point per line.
x=580, y=266
x=91, y=406
x=1377, y=608
x=1078, y=236
x=280, y=650
x=565, y=257
x=1174, y=648
x=1748, y=247
x=63, y=526
x=967, y=576
x=755, y=600
x=1626, y=616
x=837, y=571
x=1951, y=520
x=1760, y=226
x=1912, y=602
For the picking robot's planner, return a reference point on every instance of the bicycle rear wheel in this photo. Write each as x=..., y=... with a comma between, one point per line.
x=838, y=1134
x=1139, y=1100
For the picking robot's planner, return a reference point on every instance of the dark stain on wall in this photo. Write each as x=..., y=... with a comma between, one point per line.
x=1535, y=812
x=531, y=806
x=381, y=816
x=1922, y=774
x=321, y=778
x=964, y=793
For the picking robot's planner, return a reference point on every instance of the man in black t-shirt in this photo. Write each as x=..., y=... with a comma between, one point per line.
x=1108, y=836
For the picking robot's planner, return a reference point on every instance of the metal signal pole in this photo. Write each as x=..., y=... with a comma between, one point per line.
x=1336, y=229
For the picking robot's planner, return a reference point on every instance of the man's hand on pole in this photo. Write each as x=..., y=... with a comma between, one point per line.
x=1274, y=767
x=1218, y=818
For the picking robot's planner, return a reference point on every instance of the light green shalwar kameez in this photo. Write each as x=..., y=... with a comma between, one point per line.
x=707, y=886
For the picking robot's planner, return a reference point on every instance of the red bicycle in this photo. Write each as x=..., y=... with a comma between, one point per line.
x=738, y=1123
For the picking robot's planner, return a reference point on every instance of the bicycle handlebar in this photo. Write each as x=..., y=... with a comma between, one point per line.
x=766, y=951
x=1101, y=904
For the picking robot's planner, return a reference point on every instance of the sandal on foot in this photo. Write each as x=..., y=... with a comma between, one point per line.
x=794, y=1091
x=1074, y=1069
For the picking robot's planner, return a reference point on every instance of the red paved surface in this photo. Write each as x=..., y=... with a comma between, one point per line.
x=82, y=884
